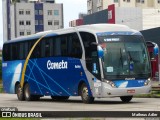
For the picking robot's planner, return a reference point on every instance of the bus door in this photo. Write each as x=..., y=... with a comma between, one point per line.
x=92, y=63
x=154, y=54
x=96, y=74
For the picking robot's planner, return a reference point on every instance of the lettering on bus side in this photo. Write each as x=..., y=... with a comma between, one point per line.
x=57, y=65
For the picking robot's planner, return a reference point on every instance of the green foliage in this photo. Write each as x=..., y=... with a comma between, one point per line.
x=153, y=94
x=1, y=90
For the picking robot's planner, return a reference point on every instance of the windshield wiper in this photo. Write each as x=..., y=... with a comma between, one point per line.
x=121, y=58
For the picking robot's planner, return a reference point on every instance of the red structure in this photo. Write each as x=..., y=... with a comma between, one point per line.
x=76, y=22
x=154, y=55
x=111, y=14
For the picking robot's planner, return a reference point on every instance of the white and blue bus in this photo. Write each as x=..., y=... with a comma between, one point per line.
x=91, y=61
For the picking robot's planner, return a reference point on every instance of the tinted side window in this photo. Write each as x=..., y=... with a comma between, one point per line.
x=15, y=51
x=6, y=52
x=90, y=52
x=22, y=50
x=48, y=47
x=30, y=45
x=64, y=46
x=67, y=45
x=74, y=46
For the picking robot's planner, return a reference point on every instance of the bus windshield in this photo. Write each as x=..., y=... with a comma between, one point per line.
x=125, y=56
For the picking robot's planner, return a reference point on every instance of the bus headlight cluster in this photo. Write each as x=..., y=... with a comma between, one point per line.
x=147, y=81
x=110, y=83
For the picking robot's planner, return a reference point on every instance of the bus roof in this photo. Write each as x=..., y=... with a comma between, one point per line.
x=93, y=28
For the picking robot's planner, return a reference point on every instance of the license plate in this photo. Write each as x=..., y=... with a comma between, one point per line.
x=131, y=91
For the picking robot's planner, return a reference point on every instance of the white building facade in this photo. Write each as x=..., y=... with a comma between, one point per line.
x=6, y=19
x=137, y=14
x=97, y=5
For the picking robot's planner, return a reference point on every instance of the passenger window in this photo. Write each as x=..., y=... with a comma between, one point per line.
x=76, y=49
x=21, y=55
x=15, y=51
x=6, y=52
x=63, y=45
x=47, y=48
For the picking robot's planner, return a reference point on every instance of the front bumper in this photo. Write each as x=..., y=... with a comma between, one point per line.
x=108, y=91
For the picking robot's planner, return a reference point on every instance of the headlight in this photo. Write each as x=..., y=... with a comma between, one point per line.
x=147, y=82
x=110, y=83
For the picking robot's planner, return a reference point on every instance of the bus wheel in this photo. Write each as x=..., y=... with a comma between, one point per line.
x=126, y=99
x=56, y=98
x=84, y=94
x=27, y=94
x=19, y=92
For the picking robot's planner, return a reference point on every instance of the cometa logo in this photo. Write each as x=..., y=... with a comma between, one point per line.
x=57, y=65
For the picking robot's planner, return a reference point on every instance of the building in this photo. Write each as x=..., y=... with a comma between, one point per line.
x=31, y=16
x=131, y=17
x=98, y=5
x=6, y=19
x=137, y=14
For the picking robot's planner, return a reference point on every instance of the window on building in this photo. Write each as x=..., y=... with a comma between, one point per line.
x=21, y=33
x=40, y=22
x=21, y=12
x=115, y=1
x=56, y=12
x=49, y=22
x=28, y=22
x=21, y=22
x=99, y=8
x=40, y=12
x=142, y=1
x=158, y=1
x=49, y=12
x=28, y=12
x=99, y=1
x=56, y=22
x=138, y=1
x=89, y=11
x=28, y=32
x=36, y=22
x=36, y=12
x=89, y=3
x=124, y=0
x=128, y=0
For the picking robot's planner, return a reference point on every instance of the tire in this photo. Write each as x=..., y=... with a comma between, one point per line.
x=60, y=98
x=85, y=95
x=20, y=93
x=126, y=99
x=27, y=94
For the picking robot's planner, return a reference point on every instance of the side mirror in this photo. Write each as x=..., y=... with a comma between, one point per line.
x=100, y=51
x=156, y=49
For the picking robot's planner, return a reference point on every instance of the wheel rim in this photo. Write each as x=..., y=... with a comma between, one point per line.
x=27, y=92
x=85, y=93
x=19, y=91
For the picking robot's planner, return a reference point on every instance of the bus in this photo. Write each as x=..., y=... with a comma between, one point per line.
x=153, y=50
x=91, y=61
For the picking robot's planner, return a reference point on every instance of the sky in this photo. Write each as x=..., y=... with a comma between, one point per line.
x=71, y=9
